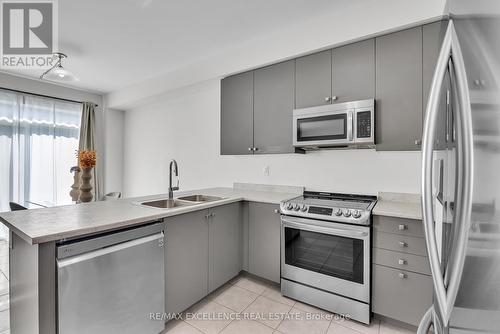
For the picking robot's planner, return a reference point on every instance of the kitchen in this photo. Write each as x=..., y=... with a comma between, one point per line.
x=237, y=127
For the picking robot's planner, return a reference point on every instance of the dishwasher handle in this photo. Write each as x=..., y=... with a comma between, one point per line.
x=61, y=263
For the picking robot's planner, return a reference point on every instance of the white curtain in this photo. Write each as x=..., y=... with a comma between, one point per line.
x=38, y=143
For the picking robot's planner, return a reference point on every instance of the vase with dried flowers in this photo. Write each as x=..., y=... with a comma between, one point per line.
x=87, y=161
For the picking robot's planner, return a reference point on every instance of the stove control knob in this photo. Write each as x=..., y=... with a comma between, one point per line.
x=356, y=214
x=289, y=206
x=347, y=213
x=338, y=212
x=296, y=207
x=303, y=208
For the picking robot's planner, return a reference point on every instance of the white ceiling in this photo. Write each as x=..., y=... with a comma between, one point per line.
x=113, y=44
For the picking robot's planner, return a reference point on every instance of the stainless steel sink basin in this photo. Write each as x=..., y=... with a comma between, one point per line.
x=167, y=204
x=200, y=198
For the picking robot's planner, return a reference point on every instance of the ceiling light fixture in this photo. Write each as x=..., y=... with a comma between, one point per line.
x=57, y=72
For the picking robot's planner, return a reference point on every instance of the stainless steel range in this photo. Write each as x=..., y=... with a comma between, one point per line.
x=325, y=252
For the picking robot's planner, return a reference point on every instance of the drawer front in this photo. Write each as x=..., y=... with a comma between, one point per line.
x=400, y=243
x=404, y=261
x=401, y=295
x=400, y=226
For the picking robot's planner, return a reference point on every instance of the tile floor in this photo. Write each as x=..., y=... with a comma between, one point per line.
x=4, y=286
x=244, y=305
x=248, y=305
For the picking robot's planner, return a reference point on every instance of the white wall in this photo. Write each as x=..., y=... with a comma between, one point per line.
x=366, y=18
x=185, y=125
x=113, y=146
x=176, y=116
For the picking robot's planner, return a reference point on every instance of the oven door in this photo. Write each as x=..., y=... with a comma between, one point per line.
x=322, y=128
x=326, y=255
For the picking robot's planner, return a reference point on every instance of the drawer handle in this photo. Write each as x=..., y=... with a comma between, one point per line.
x=402, y=262
x=403, y=244
x=276, y=211
x=402, y=275
x=402, y=227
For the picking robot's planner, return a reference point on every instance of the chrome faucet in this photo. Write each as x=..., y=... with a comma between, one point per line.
x=171, y=189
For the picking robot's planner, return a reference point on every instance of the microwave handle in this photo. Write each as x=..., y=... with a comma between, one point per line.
x=350, y=125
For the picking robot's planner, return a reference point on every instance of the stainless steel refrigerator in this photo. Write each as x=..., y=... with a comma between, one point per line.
x=461, y=173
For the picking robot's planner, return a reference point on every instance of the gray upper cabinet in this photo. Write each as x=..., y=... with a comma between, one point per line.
x=479, y=74
x=432, y=39
x=353, y=72
x=346, y=73
x=273, y=107
x=224, y=244
x=264, y=240
x=395, y=69
x=399, y=90
x=186, y=260
x=237, y=114
x=313, y=79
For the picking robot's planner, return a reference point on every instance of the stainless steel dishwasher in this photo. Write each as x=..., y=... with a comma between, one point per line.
x=112, y=283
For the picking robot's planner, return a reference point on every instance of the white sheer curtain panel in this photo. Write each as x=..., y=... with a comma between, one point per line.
x=38, y=143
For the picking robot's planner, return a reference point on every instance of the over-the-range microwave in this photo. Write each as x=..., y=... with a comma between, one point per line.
x=349, y=124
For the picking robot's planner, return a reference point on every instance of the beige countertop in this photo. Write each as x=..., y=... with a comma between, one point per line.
x=62, y=222
x=401, y=205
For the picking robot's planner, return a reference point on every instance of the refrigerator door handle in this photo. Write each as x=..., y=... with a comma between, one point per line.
x=426, y=322
x=445, y=295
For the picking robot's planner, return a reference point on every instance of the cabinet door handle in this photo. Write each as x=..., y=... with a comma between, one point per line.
x=402, y=275
x=334, y=98
x=207, y=216
x=402, y=227
x=276, y=211
x=418, y=142
x=212, y=214
x=403, y=244
x=250, y=148
x=328, y=99
x=255, y=149
x=402, y=262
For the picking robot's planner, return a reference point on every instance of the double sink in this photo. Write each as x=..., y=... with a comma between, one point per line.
x=182, y=201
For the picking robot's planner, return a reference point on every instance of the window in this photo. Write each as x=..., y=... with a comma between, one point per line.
x=38, y=143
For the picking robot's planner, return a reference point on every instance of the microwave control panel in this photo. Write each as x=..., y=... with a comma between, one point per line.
x=364, y=124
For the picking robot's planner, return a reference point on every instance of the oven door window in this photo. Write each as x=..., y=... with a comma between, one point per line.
x=329, y=127
x=331, y=255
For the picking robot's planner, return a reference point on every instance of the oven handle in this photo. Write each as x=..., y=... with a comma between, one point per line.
x=321, y=229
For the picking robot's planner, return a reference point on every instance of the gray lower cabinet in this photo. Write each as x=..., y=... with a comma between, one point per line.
x=353, y=71
x=186, y=260
x=399, y=90
x=401, y=295
x=202, y=252
x=237, y=114
x=264, y=240
x=402, y=283
x=400, y=226
x=274, y=90
x=224, y=244
x=313, y=79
